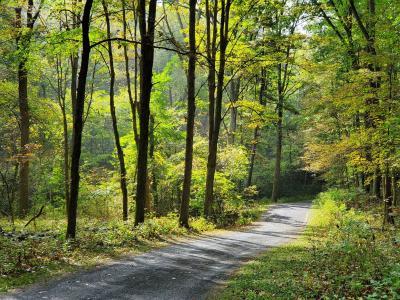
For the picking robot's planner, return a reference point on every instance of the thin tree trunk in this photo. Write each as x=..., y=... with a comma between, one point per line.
x=262, y=101
x=74, y=58
x=78, y=122
x=61, y=93
x=191, y=111
x=120, y=152
x=66, y=157
x=279, y=136
x=152, y=190
x=388, y=199
x=252, y=156
x=235, y=89
x=146, y=74
x=132, y=101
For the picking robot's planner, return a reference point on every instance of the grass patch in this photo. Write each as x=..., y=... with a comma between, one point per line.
x=40, y=251
x=343, y=254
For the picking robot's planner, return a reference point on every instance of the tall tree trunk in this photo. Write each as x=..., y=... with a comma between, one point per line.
x=61, y=92
x=279, y=136
x=213, y=146
x=23, y=42
x=191, y=111
x=74, y=61
x=120, y=152
x=146, y=74
x=78, y=122
x=24, y=203
x=211, y=53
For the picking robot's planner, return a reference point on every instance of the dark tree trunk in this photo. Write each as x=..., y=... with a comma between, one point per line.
x=146, y=74
x=191, y=110
x=120, y=152
x=213, y=146
x=23, y=42
x=78, y=122
x=74, y=60
x=211, y=53
x=24, y=203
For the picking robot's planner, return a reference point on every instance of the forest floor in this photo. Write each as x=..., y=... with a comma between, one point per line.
x=187, y=269
x=34, y=253
x=344, y=253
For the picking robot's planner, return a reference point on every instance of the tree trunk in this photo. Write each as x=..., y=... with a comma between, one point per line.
x=279, y=136
x=23, y=42
x=74, y=61
x=78, y=122
x=24, y=203
x=235, y=90
x=132, y=101
x=152, y=196
x=191, y=110
x=252, y=156
x=388, y=199
x=66, y=157
x=120, y=152
x=213, y=146
x=262, y=101
x=146, y=74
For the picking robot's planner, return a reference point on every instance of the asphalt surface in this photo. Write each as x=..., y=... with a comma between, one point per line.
x=186, y=270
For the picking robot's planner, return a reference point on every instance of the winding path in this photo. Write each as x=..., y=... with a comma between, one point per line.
x=186, y=270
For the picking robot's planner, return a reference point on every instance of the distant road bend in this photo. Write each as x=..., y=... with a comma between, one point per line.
x=185, y=270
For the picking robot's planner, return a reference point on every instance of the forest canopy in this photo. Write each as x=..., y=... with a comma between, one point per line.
x=116, y=109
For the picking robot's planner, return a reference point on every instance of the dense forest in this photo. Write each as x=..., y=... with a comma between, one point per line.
x=116, y=113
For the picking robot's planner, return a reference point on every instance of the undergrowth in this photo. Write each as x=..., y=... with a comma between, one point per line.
x=343, y=254
x=41, y=250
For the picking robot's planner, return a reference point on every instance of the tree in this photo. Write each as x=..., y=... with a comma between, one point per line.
x=147, y=29
x=78, y=121
x=120, y=152
x=215, y=101
x=23, y=40
x=191, y=109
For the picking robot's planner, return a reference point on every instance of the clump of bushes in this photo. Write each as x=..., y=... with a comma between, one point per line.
x=357, y=257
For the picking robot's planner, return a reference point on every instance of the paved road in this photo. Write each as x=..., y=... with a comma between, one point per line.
x=186, y=270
